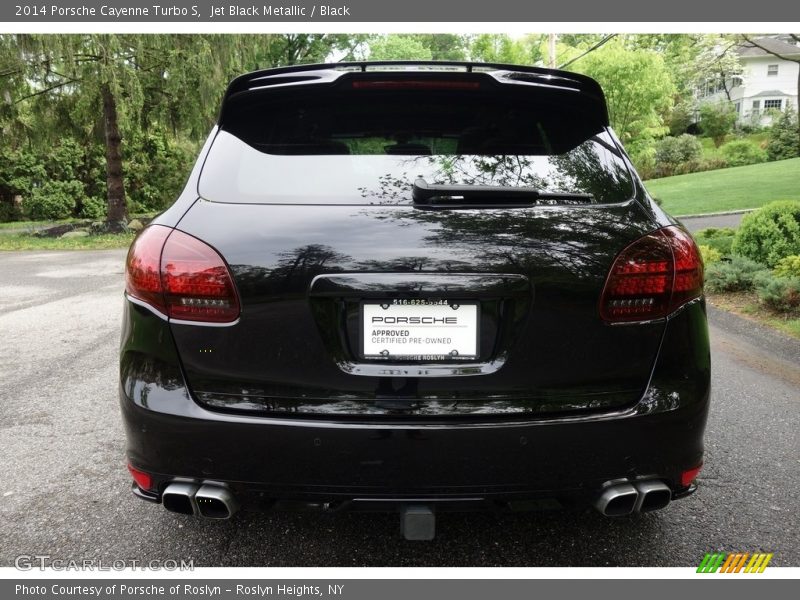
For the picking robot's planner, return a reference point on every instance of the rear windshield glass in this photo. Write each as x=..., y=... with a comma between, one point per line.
x=370, y=148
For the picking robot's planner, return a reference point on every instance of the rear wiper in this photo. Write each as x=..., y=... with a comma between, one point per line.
x=425, y=193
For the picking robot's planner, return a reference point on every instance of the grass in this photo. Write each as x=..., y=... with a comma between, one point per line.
x=32, y=224
x=722, y=190
x=23, y=225
x=745, y=304
x=92, y=242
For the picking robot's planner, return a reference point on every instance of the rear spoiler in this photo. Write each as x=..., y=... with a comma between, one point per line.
x=330, y=73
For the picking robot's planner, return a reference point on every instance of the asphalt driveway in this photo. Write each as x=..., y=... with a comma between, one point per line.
x=64, y=490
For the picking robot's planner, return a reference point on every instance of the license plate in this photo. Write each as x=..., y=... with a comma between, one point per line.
x=420, y=330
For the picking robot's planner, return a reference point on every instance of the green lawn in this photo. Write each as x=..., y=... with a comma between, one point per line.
x=22, y=225
x=92, y=242
x=728, y=189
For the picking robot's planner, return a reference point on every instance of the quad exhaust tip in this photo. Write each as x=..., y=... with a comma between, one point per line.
x=179, y=498
x=621, y=499
x=207, y=500
x=215, y=502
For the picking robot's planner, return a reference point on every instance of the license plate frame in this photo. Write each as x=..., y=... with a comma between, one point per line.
x=463, y=332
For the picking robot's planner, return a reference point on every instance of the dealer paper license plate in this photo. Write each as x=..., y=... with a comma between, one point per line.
x=420, y=330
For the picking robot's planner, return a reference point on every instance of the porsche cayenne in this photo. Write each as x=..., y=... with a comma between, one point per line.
x=414, y=287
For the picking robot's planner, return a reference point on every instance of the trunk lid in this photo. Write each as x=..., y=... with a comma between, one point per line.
x=354, y=209
x=302, y=275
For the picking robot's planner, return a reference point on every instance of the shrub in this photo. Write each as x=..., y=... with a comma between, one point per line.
x=770, y=233
x=94, y=208
x=710, y=255
x=788, y=266
x=54, y=200
x=784, y=138
x=156, y=171
x=20, y=172
x=643, y=157
x=680, y=118
x=739, y=153
x=781, y=294
x=696, y=166
x=9, y=212
x=720, y=239
x=717, y=120
x=716, y=232
x=673, y=151
x=734, y=275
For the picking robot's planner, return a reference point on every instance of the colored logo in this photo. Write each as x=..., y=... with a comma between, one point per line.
x=734, y=562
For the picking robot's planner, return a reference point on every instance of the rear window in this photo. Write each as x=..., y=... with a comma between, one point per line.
x=369, y=147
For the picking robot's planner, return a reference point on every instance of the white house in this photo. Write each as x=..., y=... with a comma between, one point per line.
x=765, y=82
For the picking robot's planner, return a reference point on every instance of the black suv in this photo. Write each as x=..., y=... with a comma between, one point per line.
x=417, y=287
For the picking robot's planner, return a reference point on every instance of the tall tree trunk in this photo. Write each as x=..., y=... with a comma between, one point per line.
x=117, y=209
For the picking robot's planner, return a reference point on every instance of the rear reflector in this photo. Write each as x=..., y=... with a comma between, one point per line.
x=181, y=276
x=653, y=277
x=688, y=476
x=412, y=84
x=142, y=479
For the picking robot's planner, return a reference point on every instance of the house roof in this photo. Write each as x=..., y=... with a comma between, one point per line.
x=773, y=93
x=775, y=45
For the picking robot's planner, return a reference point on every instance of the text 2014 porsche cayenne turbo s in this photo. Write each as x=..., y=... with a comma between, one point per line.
x=423, y=287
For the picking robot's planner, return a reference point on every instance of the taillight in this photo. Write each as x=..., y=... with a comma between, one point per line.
x=653, y=277
x=197, y=284
x=143, y=268
x=181, y=276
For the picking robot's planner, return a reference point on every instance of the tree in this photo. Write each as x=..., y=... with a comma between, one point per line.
x=693, y=59
x=500, y=48
x=91, y=72
x=445, y=46
x=717, y=120
x=783, y=142
x=639, y=90
x=398, y=47
x=100, y=88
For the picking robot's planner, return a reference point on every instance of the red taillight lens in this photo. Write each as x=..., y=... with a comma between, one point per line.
x=690, y=475
x=197, y=284
x=181, y=276
x=143, y=269
x=652, y=277
x=142, y=479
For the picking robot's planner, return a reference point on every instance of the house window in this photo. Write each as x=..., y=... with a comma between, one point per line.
x=772, y=70
x=756, y=106
x=772, y=104
x=738, y=107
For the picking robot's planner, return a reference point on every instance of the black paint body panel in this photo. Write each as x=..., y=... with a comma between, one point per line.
x=280, y=405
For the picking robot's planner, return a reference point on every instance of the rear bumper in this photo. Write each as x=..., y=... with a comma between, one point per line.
x=365, y=463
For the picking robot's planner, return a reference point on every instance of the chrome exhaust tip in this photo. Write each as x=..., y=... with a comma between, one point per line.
x=617, y=500
x=215, y=502
x=180, y=498
x=653, y=495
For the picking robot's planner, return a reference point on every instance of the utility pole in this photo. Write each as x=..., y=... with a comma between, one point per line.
x=551, y=50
